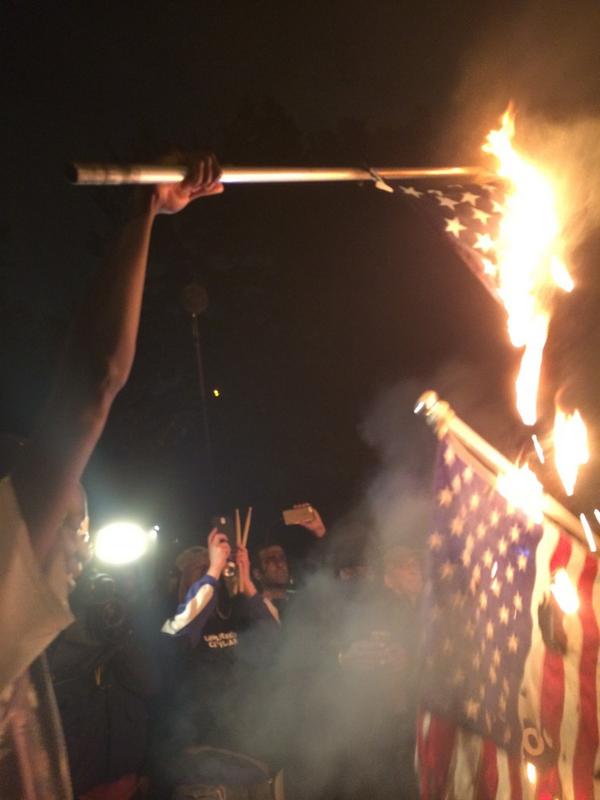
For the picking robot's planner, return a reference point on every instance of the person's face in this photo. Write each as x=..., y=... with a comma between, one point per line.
x=405, y=576
x=274, y=569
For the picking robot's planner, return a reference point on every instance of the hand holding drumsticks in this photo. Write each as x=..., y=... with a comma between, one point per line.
x=241, y=540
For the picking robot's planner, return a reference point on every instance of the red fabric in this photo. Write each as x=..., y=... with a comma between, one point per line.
x=434, y=751
x=123, y=789
x=488, y=778
x=587, y=739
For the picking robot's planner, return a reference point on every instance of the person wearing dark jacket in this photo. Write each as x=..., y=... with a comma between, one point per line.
x=225, y=634
x=103, y=674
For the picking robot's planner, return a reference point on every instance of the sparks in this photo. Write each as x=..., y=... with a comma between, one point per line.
x=539, y=451
x=587, y=529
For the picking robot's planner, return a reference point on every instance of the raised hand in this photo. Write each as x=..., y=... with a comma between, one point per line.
x=202, y=181
x=315, y=525
x=243, y=561
x=219, y=553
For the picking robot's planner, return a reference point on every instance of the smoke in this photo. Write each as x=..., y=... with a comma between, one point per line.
x=302, y=709
x=543, y=57
x=398, y=496
x=332, y=724
x=542, y=54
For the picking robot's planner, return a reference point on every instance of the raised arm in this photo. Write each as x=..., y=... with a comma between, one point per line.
x=200, y=599
x=96, y=361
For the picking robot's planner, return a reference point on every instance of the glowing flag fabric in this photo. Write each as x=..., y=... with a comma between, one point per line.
x=469, y=216
x=509, y=702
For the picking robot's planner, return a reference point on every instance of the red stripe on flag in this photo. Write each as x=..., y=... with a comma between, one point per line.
x=587, y=737
x=515, y=771
x=562, y=553
x=552, y=696
x=487, y=783
x=435, y=750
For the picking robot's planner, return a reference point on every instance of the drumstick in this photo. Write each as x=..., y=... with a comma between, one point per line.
x=238, y=528
x=247, y=527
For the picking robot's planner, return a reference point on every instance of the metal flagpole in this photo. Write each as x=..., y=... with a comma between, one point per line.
x=441, y=416
x=84, y=174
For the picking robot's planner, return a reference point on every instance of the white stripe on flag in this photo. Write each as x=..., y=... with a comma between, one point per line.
x=467, y=760
x=503, y=790
x=530, y=699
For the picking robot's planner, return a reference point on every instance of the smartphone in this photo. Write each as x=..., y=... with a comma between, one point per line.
x=298, y=516
x=224, y=524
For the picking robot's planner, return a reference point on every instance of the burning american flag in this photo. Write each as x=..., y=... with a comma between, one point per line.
x=511, y=235
x=509, y=694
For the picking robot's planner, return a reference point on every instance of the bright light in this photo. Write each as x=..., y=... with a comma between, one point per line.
x=571, y=448
x=531, y=773
x=523, y=490
x=528, y=256
x=120, y=543
x=564, y=592
x=216, y=393
x=419, y=407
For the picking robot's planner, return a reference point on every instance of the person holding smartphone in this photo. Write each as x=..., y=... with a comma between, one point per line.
x=272, y=568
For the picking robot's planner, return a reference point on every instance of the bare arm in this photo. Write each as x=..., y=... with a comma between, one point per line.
x=96, y=363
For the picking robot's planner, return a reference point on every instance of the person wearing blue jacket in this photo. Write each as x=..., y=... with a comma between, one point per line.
x=225, y=636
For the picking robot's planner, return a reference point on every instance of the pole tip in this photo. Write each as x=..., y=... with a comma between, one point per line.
x=426, y=402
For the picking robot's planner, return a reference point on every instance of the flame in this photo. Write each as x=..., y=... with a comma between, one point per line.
x=570, y=447
x=528, y=258
x=531, y=773
x=539, y=450
x=520, y=487
x=564, y=592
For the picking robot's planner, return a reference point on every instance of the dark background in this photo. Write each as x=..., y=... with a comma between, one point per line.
x=320, y=297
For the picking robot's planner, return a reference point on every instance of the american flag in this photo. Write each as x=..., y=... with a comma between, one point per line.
x=469, y=215
x=508, y=679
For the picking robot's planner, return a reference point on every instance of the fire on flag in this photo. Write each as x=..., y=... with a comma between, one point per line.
x=509, y=696
x=511, y=235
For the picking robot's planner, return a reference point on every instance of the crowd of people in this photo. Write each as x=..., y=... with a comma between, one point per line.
x=251, y=674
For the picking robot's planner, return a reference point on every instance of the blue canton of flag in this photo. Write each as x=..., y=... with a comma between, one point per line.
x=470, y=216
x=479, y=625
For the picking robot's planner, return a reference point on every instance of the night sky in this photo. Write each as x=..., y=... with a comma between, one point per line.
x=320, y=297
